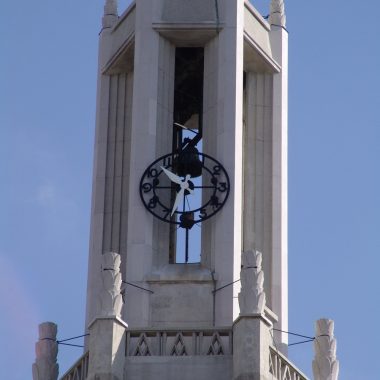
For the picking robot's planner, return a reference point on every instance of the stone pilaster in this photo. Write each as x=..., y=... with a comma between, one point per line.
x=279, y=275
x=45, y=367
x=325, y=364
x=100, y=174
x=107, y=349
x=252, y=339
x=107, y=331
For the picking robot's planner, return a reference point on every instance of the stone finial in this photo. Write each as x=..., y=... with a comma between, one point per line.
x=110, y=14
x=110, y=299
x=277, y=13
x=325, y=364
x=45, y=367
x=251, y=296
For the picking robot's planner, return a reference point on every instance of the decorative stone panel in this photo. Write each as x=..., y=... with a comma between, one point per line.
x=179, y=343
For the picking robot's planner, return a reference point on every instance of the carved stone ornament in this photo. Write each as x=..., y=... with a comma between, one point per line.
x=251, y=296
x=45, y=367
x=277, y=13
x=110, y=13
x=110, y=299
x=325, y=364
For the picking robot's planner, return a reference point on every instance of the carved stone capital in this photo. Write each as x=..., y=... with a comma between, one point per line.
x=110, y=299
x=45, y=367
x=110, y=14
x=277, y=13
x=251, y=296
x=325, y=364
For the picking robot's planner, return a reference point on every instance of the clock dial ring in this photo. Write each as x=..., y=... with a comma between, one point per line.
x=214, y=189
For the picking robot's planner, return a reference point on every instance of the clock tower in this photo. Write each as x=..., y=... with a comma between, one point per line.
x=189, y=206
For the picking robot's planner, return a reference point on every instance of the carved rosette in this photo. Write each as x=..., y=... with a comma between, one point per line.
x=45, y=367
x=110, y=299
x=325, y=364
x=277, y=13
x=251, y=296
x=110, y=14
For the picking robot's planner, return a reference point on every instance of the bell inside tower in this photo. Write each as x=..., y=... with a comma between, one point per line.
x=187, y=143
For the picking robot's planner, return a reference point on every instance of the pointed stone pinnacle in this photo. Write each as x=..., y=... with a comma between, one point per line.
x=277, y=13
x=252, y=296
x=325, y=364
x=110, y=13
x=45, y=367
x=110, y=299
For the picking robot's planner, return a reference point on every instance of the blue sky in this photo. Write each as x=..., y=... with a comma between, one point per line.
x=47, y=106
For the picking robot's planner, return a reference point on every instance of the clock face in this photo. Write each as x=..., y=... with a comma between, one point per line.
x=184, y=194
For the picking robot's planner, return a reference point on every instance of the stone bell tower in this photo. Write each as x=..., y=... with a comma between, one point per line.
x=192, y=98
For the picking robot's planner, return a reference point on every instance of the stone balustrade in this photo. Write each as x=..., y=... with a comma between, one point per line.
x=187, y=342
x=79, y=370
x=282, y=369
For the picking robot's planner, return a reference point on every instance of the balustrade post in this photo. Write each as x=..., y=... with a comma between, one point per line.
x=108, y=331
x=325, y=364
x=45, y=367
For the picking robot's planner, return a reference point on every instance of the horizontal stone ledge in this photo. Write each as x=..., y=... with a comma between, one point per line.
x=180, y=273
x=211, y=330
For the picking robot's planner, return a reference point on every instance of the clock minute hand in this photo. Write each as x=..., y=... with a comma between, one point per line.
x=174, y=178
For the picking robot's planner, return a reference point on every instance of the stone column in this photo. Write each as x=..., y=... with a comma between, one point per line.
x=251, y=330
x=45, y=367
x=325, y=364
x=279, y=275
x=257, y=202
x=107, y=331
x=101, y=148
x=227, y=127
x=145, y=120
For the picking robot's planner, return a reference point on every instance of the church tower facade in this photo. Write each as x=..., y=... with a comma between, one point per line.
x=187, y=275
x=189, y=206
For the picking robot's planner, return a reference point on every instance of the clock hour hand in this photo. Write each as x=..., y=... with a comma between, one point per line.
x=185, y=189
x=178, y=200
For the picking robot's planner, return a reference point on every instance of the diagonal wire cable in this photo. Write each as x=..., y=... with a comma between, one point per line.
x=75, y=337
